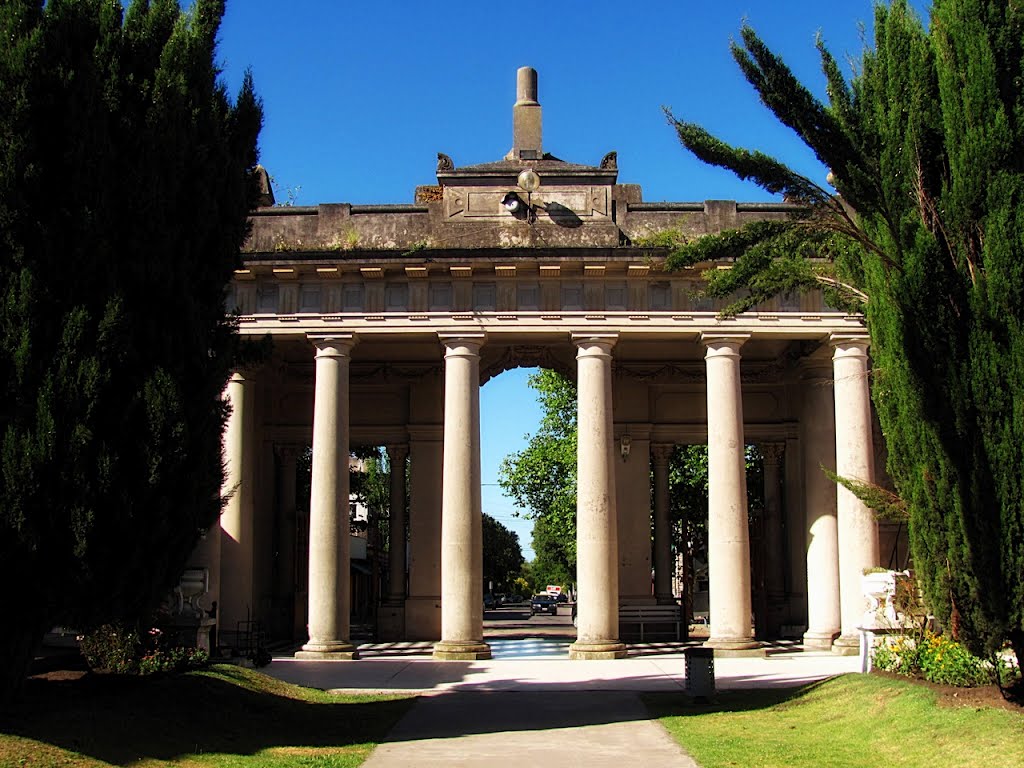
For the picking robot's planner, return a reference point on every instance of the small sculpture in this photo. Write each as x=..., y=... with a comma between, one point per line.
x=444, y=163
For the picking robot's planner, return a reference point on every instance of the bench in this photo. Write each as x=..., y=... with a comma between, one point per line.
x=651, y=614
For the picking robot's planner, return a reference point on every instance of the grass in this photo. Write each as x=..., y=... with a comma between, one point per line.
x=860, y=720
x=224, y=717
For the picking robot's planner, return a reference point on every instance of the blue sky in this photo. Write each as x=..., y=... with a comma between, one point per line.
x=359, y=98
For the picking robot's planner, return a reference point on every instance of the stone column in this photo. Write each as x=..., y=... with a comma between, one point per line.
x=287, y=457
x=329, y=576
x=596, y=533
x=237, y=520
x=728, y=532
x=422, y=620
x=396, y=524
x=858, y=530
x=660, y=455
x=818, y=438
x=462, y=597
x=774, y=549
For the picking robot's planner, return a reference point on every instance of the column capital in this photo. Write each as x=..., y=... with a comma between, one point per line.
x=462, y=343
x=723, y=344
x=594, y=344
x=850, y=344
x=816, y=369
x=397, y=451
x=287, y=452
x=772, y=452
x=332, y=345
x=662, y=452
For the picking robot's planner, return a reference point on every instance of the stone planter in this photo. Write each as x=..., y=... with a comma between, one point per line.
x=879, y=587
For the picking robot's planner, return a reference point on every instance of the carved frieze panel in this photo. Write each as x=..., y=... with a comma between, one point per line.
x=556, y=204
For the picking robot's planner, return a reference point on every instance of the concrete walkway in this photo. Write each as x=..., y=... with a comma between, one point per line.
x=536, y=709
x=520, y=729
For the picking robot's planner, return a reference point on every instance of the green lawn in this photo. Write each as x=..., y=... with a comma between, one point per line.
x=225, y=717
x=853, y=720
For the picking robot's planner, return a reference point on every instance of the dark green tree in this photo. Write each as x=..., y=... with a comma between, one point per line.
x=124, y=192
x=926, y=237
x=503, y=556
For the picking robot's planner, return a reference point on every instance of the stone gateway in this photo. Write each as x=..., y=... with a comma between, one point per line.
x=386, y=319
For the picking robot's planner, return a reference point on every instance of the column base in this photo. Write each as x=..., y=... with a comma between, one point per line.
x=338, y=651
x=591, y=651
x=819, y=641
x=727, y=648
x=846, y=645
x=456, y=651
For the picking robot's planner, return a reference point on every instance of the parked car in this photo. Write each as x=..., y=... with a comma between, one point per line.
x=544, y=603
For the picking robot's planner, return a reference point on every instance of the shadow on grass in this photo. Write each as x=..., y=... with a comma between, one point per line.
x=122, y=720
x=744, y=700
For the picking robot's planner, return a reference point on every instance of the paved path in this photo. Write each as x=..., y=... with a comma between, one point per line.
x=532, y=707
x=520, y=729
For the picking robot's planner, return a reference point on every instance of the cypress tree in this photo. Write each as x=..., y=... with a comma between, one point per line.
x=926, y=238
x=124, y=193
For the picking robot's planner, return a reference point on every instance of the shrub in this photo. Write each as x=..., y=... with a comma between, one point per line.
x=113, y=648
x=177, y=659
x=935, y=658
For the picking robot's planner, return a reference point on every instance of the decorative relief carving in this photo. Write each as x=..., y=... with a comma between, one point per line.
x=456, y=202
x=610, y=161
x=524, y=356
x=691, y=373
x=688, y=374
x=444, y=163
x=305, y=373
x=389, y=372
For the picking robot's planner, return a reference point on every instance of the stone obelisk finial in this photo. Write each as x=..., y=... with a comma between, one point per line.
x=526, y=124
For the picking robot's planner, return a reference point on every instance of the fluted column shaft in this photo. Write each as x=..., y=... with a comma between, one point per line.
x=596, y=522
x=329, y=545
x=818, y=437
x=728, y=532
x=858, y=530
x=462, y=617
x=660, y=455
x=396, y=523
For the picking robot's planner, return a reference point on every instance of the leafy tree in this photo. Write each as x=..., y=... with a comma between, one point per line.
x=554, y=553
x=124, y=193
x=688, y=512
x=688, y=506
x=370, y=485
x=925, y=237
x=503, y=556
x=542, y=477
